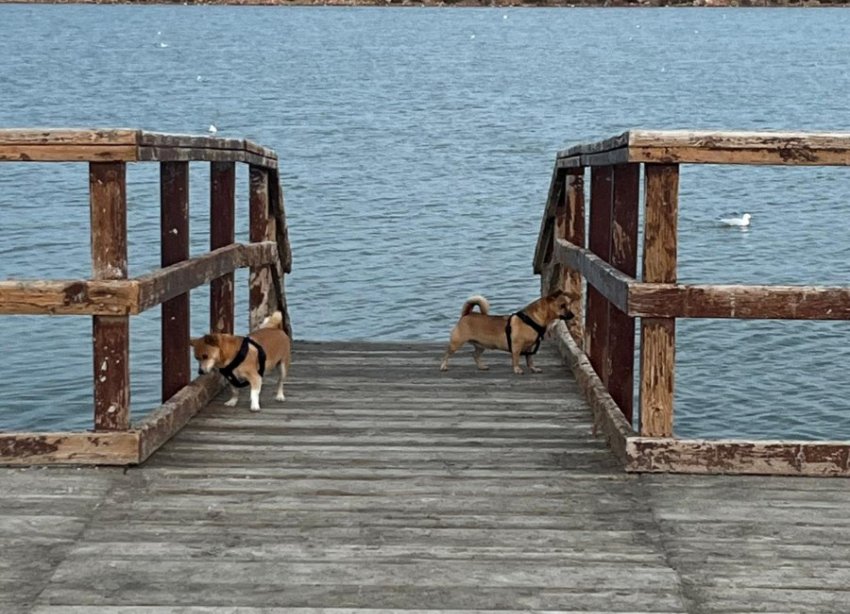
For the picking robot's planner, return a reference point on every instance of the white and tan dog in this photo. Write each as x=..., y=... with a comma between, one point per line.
x=244, y=360
x=519, y=333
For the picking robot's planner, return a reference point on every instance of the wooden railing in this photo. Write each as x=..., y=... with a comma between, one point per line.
x=110, y=298
x=600, y=345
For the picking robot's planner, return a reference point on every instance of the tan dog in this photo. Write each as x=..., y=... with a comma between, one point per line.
x=244, y=360
x=519, y=333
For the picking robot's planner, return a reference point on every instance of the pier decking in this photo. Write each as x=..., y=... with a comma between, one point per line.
x=382, y=484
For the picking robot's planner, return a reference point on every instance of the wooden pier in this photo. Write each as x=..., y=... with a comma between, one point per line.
x=383, y=485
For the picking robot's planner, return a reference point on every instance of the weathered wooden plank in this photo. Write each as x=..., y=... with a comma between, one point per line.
x=658, y=335
x=657, y=360
x=619, y=365
x=222, y=233
x=167, y=420
x=571, y=228
x=543, y=248
x=48, y=137
x=284, y=265
x=739, y=301
x=599, y=242
x=71, y=448
x=608, y=281
x=261, y=291
x=174, y=248
x=793, y=156
x=68, y=153
x=68, y=297
x=672, y=146
x=61, y=145
x=111, y=334
x=607, y=416
x=164, y=284
x=200, y=154
x=747, y=457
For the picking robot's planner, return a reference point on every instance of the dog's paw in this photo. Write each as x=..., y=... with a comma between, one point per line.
x=257, y=408
x=483, y=368
x=280, y=397
x=444, y=367
x=231, y=402
x=536, y=370
x=519, y=371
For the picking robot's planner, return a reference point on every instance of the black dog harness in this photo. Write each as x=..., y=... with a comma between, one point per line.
x=240, y=357
x=540, y=330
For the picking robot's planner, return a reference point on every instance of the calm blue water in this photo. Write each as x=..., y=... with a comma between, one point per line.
x=417, y=147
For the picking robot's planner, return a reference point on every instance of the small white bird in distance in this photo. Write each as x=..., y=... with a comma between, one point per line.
x=743, y=220
x=212, y=129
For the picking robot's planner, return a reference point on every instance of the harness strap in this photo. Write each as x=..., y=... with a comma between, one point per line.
x=227, y=371
x=540, y=330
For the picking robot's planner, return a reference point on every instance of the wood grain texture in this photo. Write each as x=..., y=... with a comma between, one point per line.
x=69, y=297
x=127, y=145
x=619, y=364
x=704, y=147
x=164, y=284
x=69, y=448
x=739, y=302
x=571, y=229
x=383, y=485
x=543, y=247
x=262, y=299
x=599, y=242
x=609, y=282
x=222, y=234
x=738, y=457
x=110, y=334
x=166, y=421
x=658, y=335
x=174, y=248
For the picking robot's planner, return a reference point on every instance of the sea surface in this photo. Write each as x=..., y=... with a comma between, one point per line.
x=416, y=149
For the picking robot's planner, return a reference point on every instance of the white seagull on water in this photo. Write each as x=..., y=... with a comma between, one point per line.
x=743, y=220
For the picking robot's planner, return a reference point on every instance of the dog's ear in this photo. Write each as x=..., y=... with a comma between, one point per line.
x=556, y=294
x=193, y=341
x=211, y=340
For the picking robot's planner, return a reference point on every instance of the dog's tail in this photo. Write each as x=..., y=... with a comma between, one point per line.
x=275, y=320
x=472, y=301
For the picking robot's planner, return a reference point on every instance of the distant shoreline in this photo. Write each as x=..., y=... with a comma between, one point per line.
x=473, y=3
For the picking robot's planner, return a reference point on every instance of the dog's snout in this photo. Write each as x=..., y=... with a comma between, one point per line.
x=200, y=371
x=567, y=316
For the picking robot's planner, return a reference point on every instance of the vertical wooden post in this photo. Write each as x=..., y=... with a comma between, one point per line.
x=620, y=363
x=111, y=334
x=570, y=226
x=261, y=290
x=174, y=248
x=599, y=242
x=658, y=335
x=222, y=233
x=284, y=250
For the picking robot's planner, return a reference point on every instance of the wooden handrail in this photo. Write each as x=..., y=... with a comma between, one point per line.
x=127, y=145
x=601, y=353
x=110, y=298
x=704, y=147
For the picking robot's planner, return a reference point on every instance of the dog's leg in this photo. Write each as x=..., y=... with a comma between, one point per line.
x=515, y=361
x=256, y=385
x=454, y=344
x=477, y=357
x=234, y=397
x=280, y=396
x=529, y=360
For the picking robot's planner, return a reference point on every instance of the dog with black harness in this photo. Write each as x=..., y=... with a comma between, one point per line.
x=519, y=333
x=243, y=360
